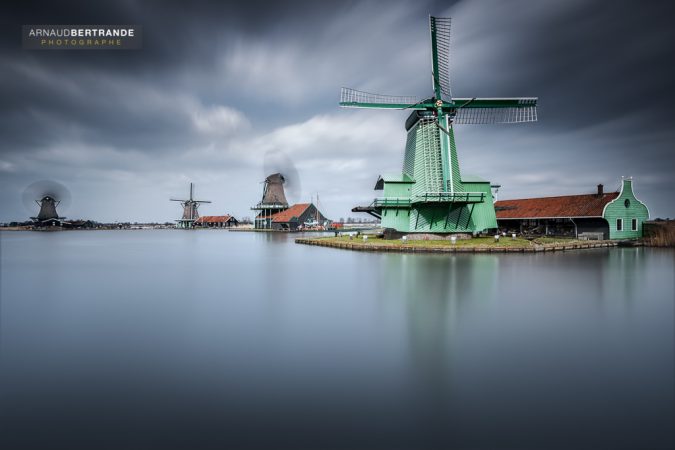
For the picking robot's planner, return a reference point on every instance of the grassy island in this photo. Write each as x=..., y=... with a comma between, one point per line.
x=478, y=244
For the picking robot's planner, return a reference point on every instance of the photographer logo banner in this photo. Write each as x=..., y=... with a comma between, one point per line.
x=82, y=37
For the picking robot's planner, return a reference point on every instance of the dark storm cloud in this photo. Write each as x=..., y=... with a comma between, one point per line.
x=209, y=53
x=589, y=62
x=603, y=74
x=179, y=33
x=217, y=84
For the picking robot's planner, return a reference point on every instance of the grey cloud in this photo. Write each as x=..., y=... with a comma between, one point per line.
x=238, y=79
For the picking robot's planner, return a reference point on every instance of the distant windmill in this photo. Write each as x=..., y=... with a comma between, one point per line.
x=430, y=194
x=273, y=201
x=283, y=184
x=48, y=206
x=273, y=192
x=48, y=195
x=190, y=213
x=278, y=163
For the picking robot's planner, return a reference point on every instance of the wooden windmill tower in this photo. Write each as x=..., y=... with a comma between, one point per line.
x=431, y=195
x=48, y=215
x=48, y=195
x=273, y=201
x=190, y=213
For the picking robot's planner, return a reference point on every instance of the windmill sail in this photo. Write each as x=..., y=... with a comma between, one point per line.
x=351, y=98
x=440, y=56
x=495, y=110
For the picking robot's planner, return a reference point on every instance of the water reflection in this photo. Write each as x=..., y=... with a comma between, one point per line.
x=249, y=340
x=436, y=292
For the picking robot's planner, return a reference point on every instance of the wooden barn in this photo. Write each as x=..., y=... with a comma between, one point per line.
x=614, y=215
x=300, y=215
x=225, y=221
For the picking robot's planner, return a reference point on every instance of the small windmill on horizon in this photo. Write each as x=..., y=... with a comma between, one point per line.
x=431, y=195
x=190, y=210
x=48, y=195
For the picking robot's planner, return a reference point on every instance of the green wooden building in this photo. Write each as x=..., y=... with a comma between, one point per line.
x=625, y=214
x=613, y=215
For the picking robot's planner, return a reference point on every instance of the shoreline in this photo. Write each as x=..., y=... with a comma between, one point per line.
x=411, y=247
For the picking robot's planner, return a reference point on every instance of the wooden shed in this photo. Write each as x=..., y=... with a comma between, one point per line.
x=297, y=216
x=225, y=221
x=615, y=215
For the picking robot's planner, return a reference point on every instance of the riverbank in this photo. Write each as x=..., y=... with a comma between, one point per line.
x=272, y=230
x=475, y=245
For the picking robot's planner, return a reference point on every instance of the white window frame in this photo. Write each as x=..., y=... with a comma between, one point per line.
x=633, y=224
x=619, y=224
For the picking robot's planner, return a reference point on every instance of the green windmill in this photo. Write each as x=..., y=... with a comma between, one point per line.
x=431, y=195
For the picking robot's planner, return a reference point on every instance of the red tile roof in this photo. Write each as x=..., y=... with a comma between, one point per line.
x=294, y=211
x=588, y=205
x=213, y=219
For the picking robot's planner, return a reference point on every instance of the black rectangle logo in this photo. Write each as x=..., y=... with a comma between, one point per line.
x=82, y=37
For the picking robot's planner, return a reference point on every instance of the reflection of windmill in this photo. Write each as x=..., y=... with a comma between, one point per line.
x=273, y=201
x=190, y=213
x=431, y=194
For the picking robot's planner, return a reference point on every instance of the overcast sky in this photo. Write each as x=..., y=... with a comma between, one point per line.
x=216, y=87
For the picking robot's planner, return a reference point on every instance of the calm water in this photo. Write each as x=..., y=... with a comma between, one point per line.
x=211, y=339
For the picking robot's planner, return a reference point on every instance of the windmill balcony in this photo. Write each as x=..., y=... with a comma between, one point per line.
x=270, y=206
x=449, y=197
x=392, y=202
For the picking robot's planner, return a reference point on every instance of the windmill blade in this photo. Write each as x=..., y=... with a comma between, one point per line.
x=351, y=98
x=495, y=110
x=40, y=189
x=440, y=56
x=276, y=161
x=192, y=194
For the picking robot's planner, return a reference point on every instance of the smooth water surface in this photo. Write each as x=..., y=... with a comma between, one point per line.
x=215, y=339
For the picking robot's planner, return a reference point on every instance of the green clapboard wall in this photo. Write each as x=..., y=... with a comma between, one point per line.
x=625, y=214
